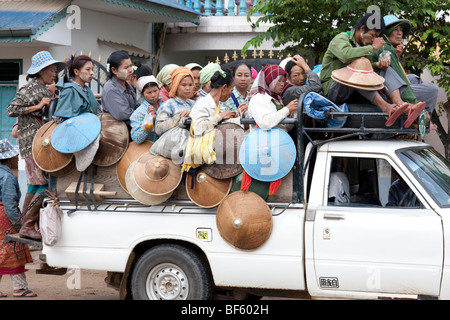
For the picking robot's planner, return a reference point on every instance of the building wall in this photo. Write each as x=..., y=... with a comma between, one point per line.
x=97, y=25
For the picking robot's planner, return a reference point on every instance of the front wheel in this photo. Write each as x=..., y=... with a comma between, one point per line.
x=170, y=272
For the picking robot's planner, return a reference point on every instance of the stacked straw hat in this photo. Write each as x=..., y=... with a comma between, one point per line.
x=360, y=75
x=152, y=179
x=133, y=152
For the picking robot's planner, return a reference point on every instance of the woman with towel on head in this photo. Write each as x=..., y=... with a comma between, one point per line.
x=172, y=115
x=165, y=81
x=149, y=90
x=205, y=78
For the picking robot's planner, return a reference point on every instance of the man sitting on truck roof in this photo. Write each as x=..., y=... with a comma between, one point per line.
x=361, y=41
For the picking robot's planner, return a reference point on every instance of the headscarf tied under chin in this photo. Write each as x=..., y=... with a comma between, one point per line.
x=177, y=75
x=267, y=80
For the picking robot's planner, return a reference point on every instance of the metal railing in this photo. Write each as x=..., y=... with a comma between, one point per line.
x=220, y=7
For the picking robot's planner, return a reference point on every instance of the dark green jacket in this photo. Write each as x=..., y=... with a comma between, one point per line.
x=341, y=51
x=407, y=94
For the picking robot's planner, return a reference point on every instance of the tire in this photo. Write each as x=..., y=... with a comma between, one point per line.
x=170, y=272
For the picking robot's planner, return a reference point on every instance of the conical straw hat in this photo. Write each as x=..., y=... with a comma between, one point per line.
x=140, y=195
x=207, y=192
x=244, y=220
x=46, y=157
x=359, y=74
x=133, y=152
x=113, y=142
x=156, y=175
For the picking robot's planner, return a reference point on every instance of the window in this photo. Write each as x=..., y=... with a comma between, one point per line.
x=368, y=182
x=10, y=71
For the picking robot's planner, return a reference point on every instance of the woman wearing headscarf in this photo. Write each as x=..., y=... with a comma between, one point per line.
x=205, y=78
x=27, y=107
x=165, y=81
x=173, y=114
x=149, y=90
x=266, y=102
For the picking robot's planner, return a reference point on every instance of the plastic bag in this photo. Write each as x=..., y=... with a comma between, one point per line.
x=50, y=223
x=385, y=56
x=171, y=144
x=147, y=124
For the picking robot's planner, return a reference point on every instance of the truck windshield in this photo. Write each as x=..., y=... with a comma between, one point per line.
x=431, y=170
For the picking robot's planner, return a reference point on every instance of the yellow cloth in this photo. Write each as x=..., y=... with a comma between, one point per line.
x=199, y=149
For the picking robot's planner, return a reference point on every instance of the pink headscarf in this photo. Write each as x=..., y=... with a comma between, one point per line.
x=267, y=79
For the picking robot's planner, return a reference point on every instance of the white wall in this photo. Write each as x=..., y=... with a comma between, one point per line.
x=97, y=25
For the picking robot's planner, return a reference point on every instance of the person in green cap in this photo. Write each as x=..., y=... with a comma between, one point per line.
x=398, y=30
x=205, y=78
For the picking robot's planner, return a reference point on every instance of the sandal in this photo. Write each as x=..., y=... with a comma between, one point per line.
x=414, y=111
x=394, y=116
x=25, y=294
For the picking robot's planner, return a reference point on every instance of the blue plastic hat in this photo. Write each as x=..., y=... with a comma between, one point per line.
x=42, y=60
x=8, y=150
x=267, y=155
x=76, y=133
x=391, y=21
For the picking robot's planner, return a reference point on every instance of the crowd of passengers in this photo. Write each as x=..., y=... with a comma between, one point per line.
x=207, y=95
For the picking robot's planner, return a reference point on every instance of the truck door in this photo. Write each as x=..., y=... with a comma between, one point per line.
x=375, y=233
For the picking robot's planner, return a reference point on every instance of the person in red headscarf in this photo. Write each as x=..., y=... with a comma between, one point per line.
x=266, y=102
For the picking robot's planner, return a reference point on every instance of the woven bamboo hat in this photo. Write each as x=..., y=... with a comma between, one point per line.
x=359, y=74
x=46, y=157
x=133, y=152
x=244, y=220
x=206, y=191
x=156, y=175
x=227, y=143
x=113, y=142
x=137, y=193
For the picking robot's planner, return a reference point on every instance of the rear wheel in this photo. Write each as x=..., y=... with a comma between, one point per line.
x=171, y=272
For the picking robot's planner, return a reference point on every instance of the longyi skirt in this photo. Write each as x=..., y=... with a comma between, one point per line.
x=12, y=260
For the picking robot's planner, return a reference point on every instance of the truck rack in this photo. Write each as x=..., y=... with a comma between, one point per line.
x=307, y=126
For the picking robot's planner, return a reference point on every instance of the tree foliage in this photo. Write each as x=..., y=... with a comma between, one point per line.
x=308, y=26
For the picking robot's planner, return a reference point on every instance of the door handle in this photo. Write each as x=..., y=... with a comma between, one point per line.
x=334, y=216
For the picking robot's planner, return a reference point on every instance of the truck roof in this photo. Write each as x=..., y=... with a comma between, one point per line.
x=370, y=146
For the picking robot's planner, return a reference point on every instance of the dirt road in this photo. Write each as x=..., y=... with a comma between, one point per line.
x=74, y=285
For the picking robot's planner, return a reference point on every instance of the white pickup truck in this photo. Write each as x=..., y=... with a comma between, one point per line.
x=374, y=242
